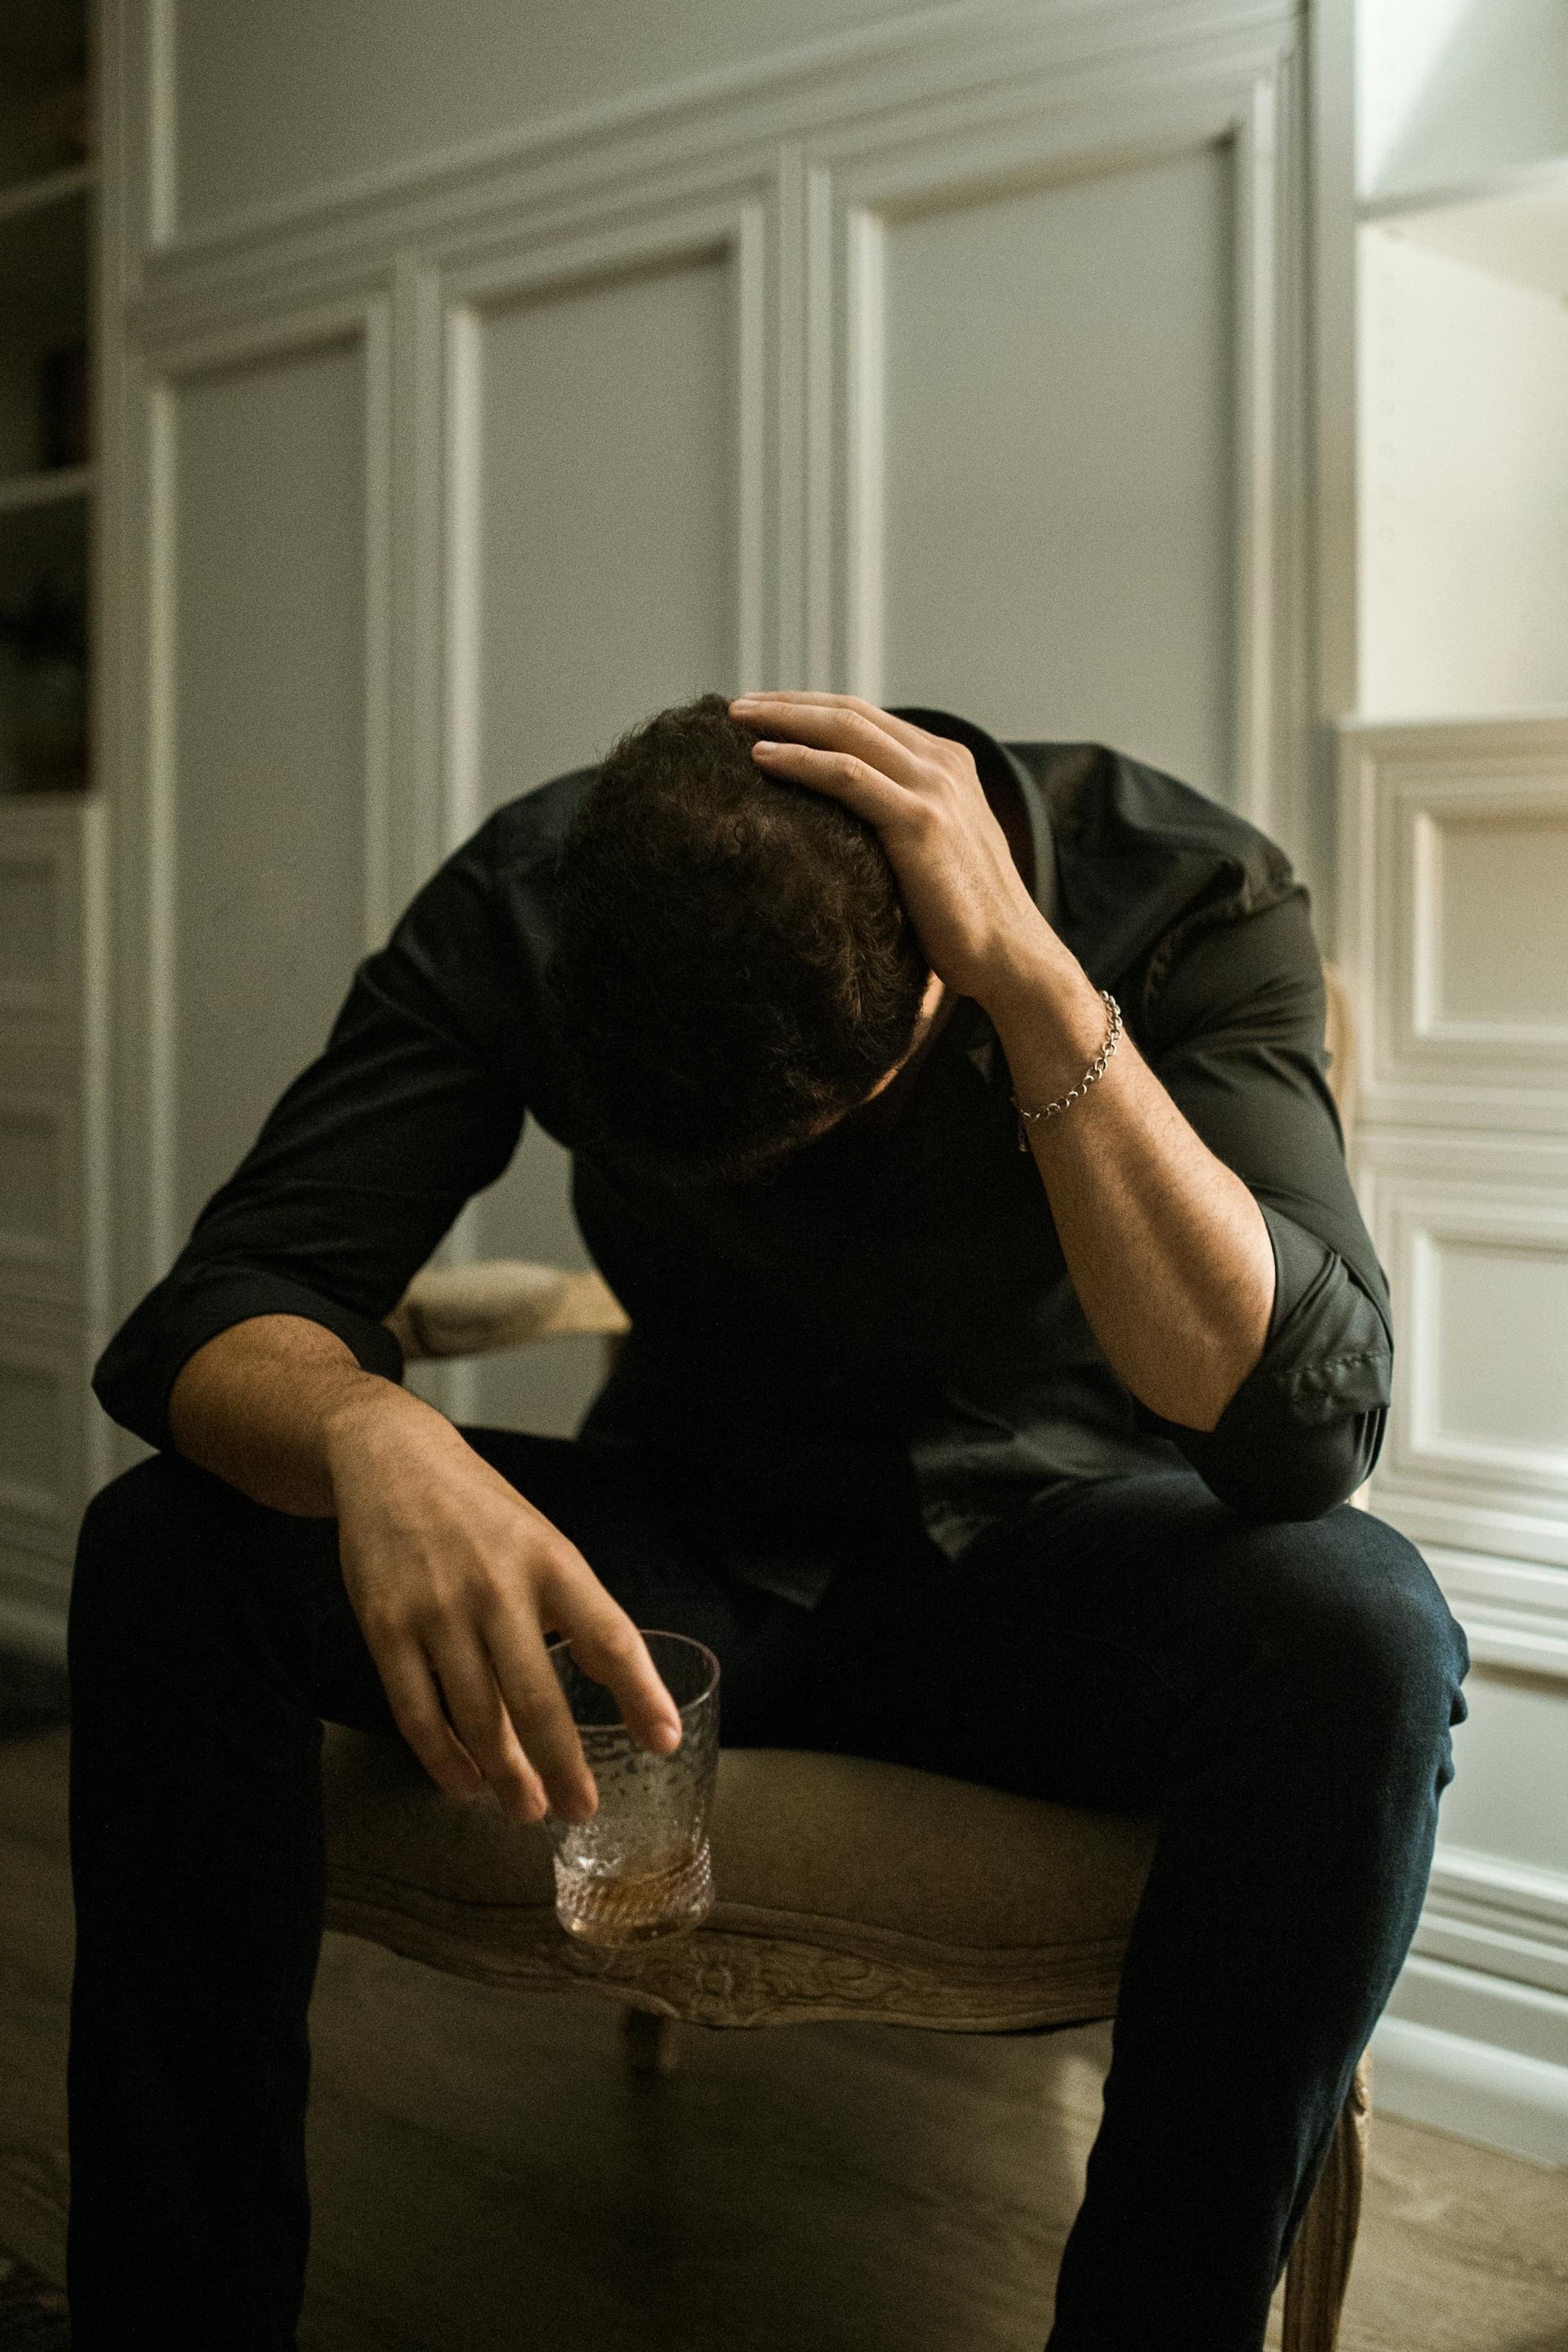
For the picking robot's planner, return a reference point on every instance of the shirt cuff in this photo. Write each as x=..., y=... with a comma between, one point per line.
x=1305, y=1427
x=136, y=1372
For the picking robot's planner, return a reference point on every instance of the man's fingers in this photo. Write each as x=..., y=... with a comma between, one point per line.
x=768, y=709
x=755, y=708
x=608, y=1645
x=416, y=1704
x=862, y=788
x=838, y=723
x=537, y=1706
x=479, y=1709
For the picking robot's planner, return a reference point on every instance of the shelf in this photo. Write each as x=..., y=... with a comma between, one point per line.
x=43, y=251
x=27, y=490
x=1513, y=223
x=34, y=195
x=62, y=798
x=48, y=540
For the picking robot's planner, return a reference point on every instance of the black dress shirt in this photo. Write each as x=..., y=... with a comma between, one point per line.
x=887, y=1324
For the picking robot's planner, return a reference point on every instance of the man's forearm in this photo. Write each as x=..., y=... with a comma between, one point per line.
x=262, y=1404
x=1166, y=1248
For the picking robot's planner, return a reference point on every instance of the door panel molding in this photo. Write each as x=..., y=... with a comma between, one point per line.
x=1008, y=144
x=932, y=59
x=147, y=1234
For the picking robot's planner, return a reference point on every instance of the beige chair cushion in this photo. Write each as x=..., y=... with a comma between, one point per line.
x=467, y=1310
x=846, y=1889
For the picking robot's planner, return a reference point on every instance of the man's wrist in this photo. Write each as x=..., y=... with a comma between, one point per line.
x=1038, y=985
x=360, y=1409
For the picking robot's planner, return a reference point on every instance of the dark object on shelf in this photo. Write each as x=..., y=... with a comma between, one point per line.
x=62, y=405
x=61, y=129
x=35, y=1693
x=46, y=713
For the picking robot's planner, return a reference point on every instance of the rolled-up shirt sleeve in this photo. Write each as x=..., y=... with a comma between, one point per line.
x=1237, y=1038
x=416, y=1103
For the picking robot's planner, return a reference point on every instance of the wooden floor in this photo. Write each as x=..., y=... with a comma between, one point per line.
x=487, y=2175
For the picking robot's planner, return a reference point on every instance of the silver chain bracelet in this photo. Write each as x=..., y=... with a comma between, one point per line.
x=1095, y=1070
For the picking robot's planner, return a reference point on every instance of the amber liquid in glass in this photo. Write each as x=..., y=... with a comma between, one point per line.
x=634, y=1907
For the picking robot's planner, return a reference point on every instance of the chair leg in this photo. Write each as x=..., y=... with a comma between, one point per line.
x=648, y=2039
x=1320, y=2264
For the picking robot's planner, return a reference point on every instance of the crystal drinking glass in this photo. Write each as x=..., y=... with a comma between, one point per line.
x=640, y=1869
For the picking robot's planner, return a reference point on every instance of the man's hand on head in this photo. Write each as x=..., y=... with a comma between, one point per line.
x=969, y=904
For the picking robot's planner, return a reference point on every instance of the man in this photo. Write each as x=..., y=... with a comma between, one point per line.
x=949, y=1117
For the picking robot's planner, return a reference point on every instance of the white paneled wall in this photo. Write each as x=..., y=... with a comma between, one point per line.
x=1455, y=879
x=1464, y=484
x=264, y=685
x=607, y=564
x=52, y=911
x=271, y=105
x=1057, y=402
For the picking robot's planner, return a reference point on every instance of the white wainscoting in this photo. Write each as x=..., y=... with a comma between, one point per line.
x=53, y=1198
x=1503, y=1917
x=40, y=1192
x=988, y=488
x=265, y=791
x=41, y=912
x=1455, y=876
x=1514, y=1612
x=1474, y=2038
x=1455, y=879
x=48, y=1467
x=1473, y=1232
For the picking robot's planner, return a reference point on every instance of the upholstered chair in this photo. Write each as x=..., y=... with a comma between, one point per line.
x=846, y=1889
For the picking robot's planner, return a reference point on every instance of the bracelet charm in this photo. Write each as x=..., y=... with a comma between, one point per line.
x=1095, y=1070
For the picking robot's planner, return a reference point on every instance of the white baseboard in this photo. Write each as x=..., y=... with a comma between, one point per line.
x=1475, y=2053
x=1499, y=2097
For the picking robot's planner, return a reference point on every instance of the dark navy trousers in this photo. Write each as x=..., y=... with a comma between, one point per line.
x=1283, y=1693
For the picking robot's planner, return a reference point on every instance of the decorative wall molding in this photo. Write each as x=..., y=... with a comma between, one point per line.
x=1481, y=2089
x=146, y=915
x=732, y=224
x=40, y=898
x=41, y=1494
x=1514, y=1612
x=1485, y=1912
x=1404, y=791
x=1461, y=1152
x=1473, y=1490
x=1006, y=141
x=932, y=55
x=40, y=1194
x=53, y=1124
x=1426, y=1227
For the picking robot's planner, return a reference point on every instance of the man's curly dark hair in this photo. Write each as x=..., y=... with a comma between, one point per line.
x=734, y=967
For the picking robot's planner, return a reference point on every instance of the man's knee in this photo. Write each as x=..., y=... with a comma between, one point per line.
x=138, y=1536
x=1355, y=1610
x=160, y=1503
